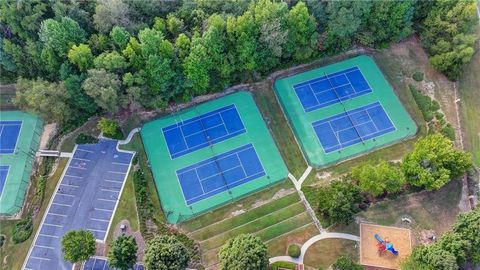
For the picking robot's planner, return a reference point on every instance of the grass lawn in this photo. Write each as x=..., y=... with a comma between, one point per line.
x=127, y=209
x=137, y=146
x=279, y=128
x=278, y=246
x=469, y=90
x=13, y=255
x=325, y=252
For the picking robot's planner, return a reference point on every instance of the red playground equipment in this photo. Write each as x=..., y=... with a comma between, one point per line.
x=385, y=245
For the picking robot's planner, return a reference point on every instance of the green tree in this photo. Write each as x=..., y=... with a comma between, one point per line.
x=174, y=25
x=81, y=56
x=338, y=202
x=302, y=35
x=166, y=253
x=24, y=18
x=448, y=35
x=182, y=45
x=123, y=253
x=59, y=36
x=346, y=263
x=111, y=61
x=108, y=127
x=110, y=13
x=104, y=88
x=433, y=257
x=80, y=103
x=434, y=162
x=50, y=100
x=78, y=246
x=243, y=35
x=376, y=179
x=120, y=36
x=196, y=67
x=467, y=227
x=243, y=252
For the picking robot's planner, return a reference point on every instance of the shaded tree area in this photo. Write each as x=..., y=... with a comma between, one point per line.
x=153, y=52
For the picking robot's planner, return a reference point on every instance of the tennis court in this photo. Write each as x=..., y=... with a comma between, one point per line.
x=19, y=140
x=9, y=131
x=332, y=88
x=222, y=172
x=343, y=110
x=211, y=154
x=199, y=132
x=351, y=127
x=3, y=176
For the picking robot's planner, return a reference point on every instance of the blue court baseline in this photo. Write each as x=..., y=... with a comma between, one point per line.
x=3, y=176
x=318, y=93
x=9, y=131
x=351, y=127
x=201, y=131
x=222, y=172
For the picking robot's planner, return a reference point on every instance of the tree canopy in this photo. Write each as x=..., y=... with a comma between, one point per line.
x=123, y=253
x=78, y=246
x=244, y=252
x=166, y=253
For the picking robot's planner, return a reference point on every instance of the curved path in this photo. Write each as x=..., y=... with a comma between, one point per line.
x=311, y=241
x=129, y=137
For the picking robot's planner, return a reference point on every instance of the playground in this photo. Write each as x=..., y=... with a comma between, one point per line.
x=211, y=154
x=384, y=247
x=343, y=110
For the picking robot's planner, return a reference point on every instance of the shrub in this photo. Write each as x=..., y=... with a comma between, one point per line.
x=22, y=230
x=346, y=263
x=282, y=265
x=110, y=128
x=83, y=138
x=434, y=106
x=338, y=202
x=2, y=240
x=417, y=76
x=448, y=131
x=424, y=103
x=294, y=251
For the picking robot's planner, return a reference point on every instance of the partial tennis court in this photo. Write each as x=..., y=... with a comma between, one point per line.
x=219, y=173
x=343, y=110
x=332, y=88
x=9, y=131
x=3, y=176
x=209, y=155
x=351, y=127
x=201, y=131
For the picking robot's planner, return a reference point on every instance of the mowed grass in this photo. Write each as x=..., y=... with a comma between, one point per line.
x=13, y=255
x=279, y=128
x=278, y=246
x=127, y=209
x=323, y=253
x=469, y=91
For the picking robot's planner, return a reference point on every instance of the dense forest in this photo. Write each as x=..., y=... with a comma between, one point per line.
x=72, y=59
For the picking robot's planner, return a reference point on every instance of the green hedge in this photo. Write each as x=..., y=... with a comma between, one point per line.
x=417, y=76
x=424, y=103
x=287, y=265
x=22, y=230
x=83, y=138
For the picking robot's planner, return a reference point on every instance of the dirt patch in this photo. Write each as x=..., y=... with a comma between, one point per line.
x=323, y=175
x=369, y=254
x=138, y=237
x=279, y=194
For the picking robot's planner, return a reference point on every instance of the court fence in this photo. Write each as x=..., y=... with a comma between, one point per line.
x=21, y=162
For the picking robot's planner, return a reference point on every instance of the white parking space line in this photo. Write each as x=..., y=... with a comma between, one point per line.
x=80, y=168
x=102, y=220
x=40, y=258
x=95, y=230
x=111, y=190
x=57, y=214
x=48, y=235
x=64, y=194
x=43, y=247
x=69, y=185
x=113, y=181
x=54, y=225
x=102, y=209
x=107, y=200
x=83, y=150
x=116, y=172
x=82, y=159
x=74, y=176
x=62, y=204
x=118, y=163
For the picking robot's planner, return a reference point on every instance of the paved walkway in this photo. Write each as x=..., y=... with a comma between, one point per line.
x=310, y=242
x=129, y=137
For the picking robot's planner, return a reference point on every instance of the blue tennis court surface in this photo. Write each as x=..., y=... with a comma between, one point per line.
x=3, y=177
x=101, y=264
x=220, y=173
x=9, y=131
x=332, y=88
x=351, y=127
x=201, y=131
